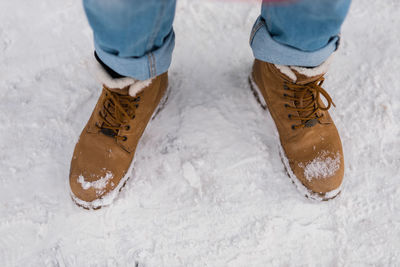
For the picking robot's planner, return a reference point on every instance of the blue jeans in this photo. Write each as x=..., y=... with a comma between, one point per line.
x=135, y=38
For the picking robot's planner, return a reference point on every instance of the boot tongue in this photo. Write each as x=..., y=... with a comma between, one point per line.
x=114, y=104
x=124, y=91
x=304, y=79
x=301, y=103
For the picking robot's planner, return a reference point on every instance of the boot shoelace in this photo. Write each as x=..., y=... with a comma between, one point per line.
x=116, y=112
x=307, y=102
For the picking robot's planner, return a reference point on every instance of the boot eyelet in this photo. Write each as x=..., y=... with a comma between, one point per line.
x=286, y=105
x=290, y=116
x=124, y=138
x=127, y=127
x=293, y=127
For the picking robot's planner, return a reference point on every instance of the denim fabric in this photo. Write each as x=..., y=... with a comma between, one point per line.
x=301, y=33
x=135, y=38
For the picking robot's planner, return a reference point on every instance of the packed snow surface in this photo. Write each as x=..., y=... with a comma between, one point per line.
x=209, y=187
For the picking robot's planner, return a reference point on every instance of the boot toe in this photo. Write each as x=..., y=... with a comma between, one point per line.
x=321, y=175
x=95, y=169
x=89, y=187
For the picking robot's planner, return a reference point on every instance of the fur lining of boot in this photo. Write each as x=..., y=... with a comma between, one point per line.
x=309, y=72
x=135, y=86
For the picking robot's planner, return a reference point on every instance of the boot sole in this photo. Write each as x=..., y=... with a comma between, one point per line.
x=296, y=181
x=108, y=199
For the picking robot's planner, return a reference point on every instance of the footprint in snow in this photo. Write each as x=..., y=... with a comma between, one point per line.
x=191, y=176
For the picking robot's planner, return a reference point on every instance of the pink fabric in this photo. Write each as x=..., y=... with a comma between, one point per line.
x=256, y=1
x=276, y=1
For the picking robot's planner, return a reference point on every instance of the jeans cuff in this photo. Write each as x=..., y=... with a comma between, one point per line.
x=265, y=48
x=142, y=68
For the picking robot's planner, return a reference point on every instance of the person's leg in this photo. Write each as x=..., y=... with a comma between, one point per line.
x=134, y=42
x=291, y=43
x=299, y=33
x=134, y=38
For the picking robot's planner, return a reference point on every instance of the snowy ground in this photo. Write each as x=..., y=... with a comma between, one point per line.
x=209, y=187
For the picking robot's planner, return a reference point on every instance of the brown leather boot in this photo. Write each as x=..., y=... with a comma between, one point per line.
x=311, y=149
x=103, y=158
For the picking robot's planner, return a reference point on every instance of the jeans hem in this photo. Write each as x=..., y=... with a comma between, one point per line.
x=150, y=65
x=265, y=48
